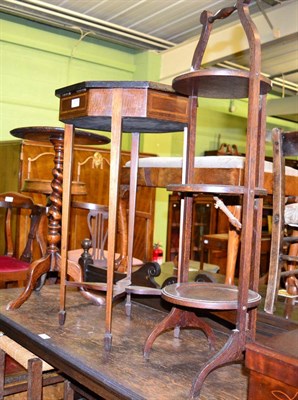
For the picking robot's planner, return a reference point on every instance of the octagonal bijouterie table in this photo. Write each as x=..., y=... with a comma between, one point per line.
x=119, y=106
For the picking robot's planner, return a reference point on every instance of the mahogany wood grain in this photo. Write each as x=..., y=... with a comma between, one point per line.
x=122, y=106
x=50, y=261
x=17, y=153
x=163, y=177
x=273, y=367
x=77, y=349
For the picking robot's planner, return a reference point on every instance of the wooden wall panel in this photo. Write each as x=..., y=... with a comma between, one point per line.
x=97, y=185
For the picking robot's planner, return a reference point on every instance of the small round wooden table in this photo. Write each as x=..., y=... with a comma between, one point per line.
x=50, y=262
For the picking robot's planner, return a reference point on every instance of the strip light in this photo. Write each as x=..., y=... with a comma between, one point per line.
x=60, y=17
x=275, y=80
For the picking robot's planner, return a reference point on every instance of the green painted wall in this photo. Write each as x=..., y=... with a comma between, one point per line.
x=37, y=59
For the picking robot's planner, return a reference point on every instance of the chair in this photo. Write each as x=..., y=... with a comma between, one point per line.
x=89, y=263
x=30, y=373
x=284, y=248
x=97, y=224
x=97, y=218
x=14, y=266
x=188, y=297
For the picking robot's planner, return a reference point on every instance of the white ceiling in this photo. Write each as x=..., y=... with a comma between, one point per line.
x=159, y=25
x=164, y=23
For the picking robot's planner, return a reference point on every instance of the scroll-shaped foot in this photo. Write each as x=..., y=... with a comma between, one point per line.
x=178, y=318
x=37, y=269
x=231, y=351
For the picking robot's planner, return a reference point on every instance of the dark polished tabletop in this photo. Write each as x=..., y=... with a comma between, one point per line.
x=81, y=86
x=46, y=133
x=77, y=349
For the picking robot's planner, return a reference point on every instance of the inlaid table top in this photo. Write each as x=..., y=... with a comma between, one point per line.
x=146, y=106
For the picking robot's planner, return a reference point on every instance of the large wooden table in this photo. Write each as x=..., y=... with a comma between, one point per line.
x=77, y=349
x=211, y=170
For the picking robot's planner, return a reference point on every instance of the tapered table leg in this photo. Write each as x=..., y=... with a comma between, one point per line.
x=67, y=178
x=116, y=136
x=132, y=207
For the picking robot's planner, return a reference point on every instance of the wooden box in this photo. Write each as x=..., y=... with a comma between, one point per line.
x=274, y=368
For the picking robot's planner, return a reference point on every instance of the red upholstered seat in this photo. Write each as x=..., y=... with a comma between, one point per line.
x=15, y=262
x=12, y=264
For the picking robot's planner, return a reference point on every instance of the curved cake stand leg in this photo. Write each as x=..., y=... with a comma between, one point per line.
x=37, y=269
x=231, y=351
x=181, y=319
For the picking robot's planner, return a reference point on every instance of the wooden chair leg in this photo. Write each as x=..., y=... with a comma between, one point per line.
x=34, y=379
x=39, y=373
x=2, y=373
